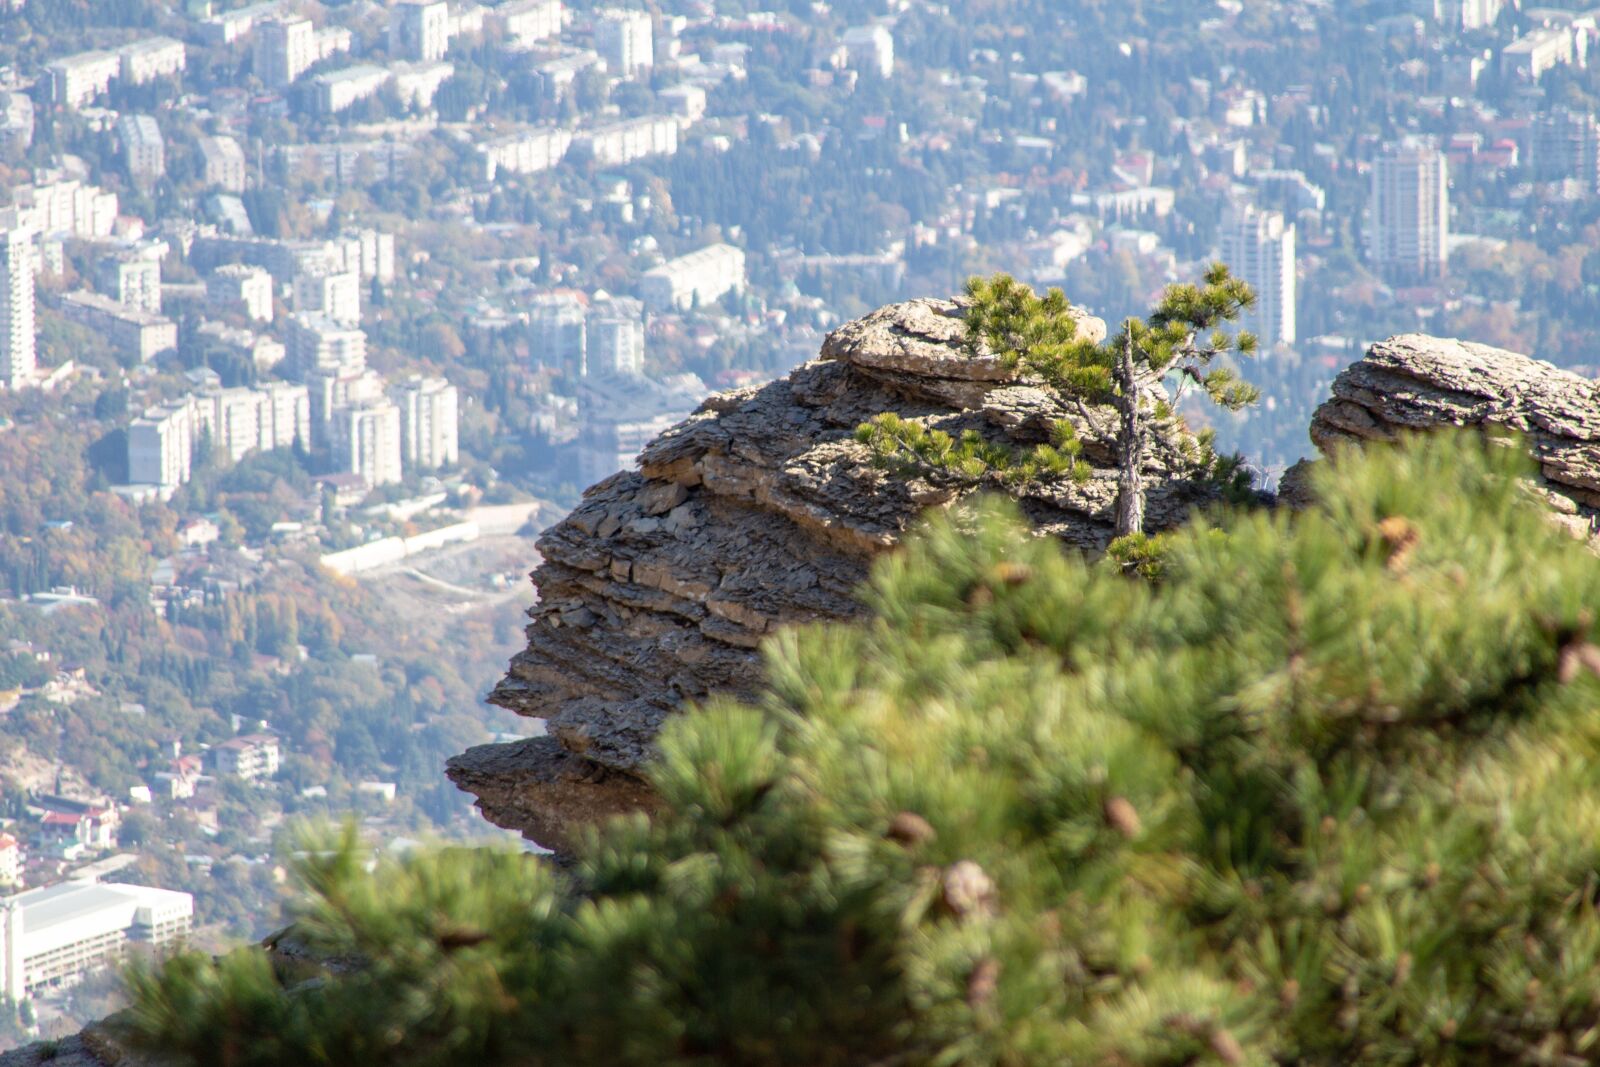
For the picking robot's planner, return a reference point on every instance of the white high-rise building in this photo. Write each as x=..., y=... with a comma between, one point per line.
x=1408, y=226
x=419, y=29
x=557, y=334
x=428, y=422
x=285, y=415
x=161, y=446
x=626, y=41
x=134, y=280
x=366, y=440
x=17, y=334
x=335, y=295
x=316, y=343
x=616, y=338
x=1259, y=247
x=284, y=48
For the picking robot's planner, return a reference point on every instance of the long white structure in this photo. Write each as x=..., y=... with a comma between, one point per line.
x=53, y=936
x=151, y=58
x=622, y=142
x=522, y=22
x=525, y=153
x=698, y=278
x=1260, y=248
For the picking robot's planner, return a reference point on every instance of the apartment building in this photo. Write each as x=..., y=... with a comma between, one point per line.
x=557, y=332
x=1260, y=247
x=871, y=48
x=616, y=338
x=223, y=163
x=66, y=206
x=524, y=22
x=416, y=84
x=132, y=279
x=284, y=48
x=365, y=440
x=316, y=343
x=616, y=143
x=139, y=335
x=249, y=756
x=76, y=80
x=53, y=936
x=18, y=336
x=1408, y=226
x=335, y=296
x=525, y=153
x=10, y=860
x=331, y=390
x=161, y=446
x=149, y=59
x=429, y=422
x=339, y=89
x=370, y=252
x=241, y=287
x=697, y=279
x=625, y=41
x=143, y=150
x=419, y=29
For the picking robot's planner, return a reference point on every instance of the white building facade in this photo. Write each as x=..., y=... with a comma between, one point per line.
x=52, y=936
x=625, y=41
x=1408, y=225
x=429, y=422
x=18, y=337
x=696, y=279
x=1260, y=248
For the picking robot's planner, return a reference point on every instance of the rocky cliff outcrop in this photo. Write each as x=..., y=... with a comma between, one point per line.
x=1413, y=382
x=761, y=511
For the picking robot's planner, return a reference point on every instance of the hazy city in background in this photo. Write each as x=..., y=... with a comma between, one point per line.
x=312, y=315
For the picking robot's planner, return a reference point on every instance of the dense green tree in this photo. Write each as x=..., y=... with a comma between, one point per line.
x=1321, y=795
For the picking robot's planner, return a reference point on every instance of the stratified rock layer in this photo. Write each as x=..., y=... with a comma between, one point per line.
x=758, y=512
x=1414, y=382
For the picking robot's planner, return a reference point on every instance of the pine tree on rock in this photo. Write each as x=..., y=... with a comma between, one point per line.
x=1183, y=335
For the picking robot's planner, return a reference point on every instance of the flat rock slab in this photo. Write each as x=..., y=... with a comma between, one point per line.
x=762, y=511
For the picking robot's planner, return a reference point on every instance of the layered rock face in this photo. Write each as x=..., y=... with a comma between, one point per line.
x=1413, y=382
x=762, y=511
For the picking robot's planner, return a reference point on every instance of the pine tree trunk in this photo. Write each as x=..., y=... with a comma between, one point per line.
x=1130, y=481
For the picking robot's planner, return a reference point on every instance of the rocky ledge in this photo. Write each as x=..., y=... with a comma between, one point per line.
x=1414, y=382
x=759, y=511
